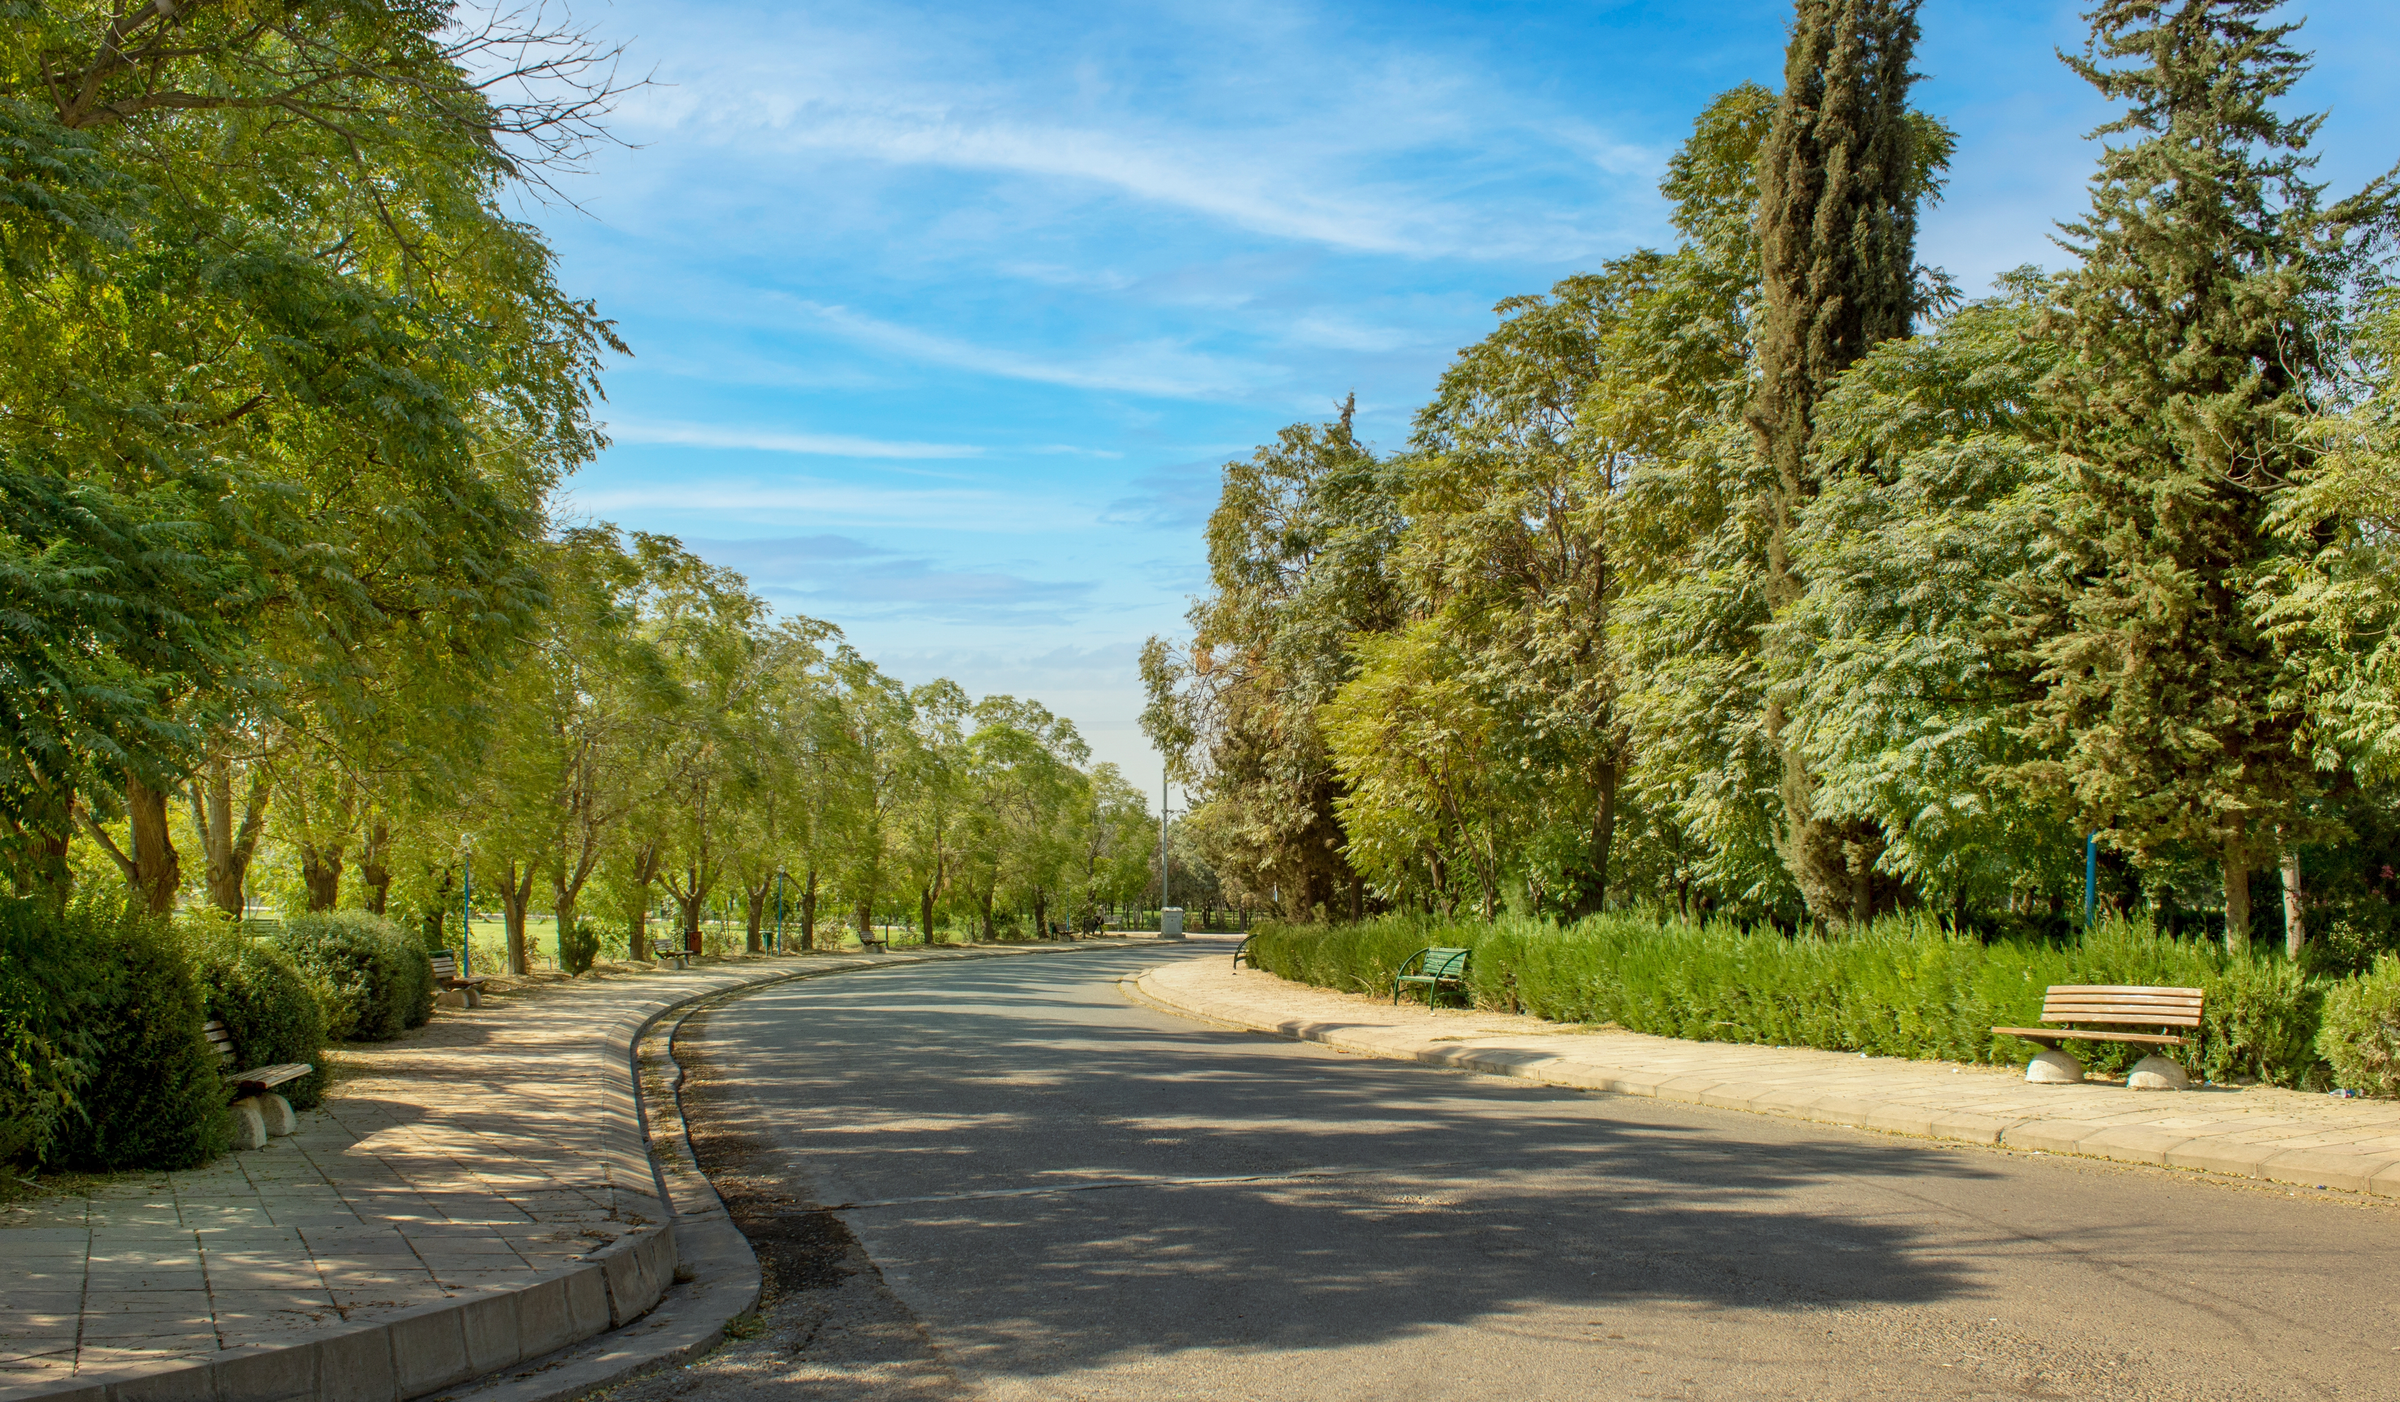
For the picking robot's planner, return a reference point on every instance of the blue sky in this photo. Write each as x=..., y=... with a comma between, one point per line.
x=946, y=315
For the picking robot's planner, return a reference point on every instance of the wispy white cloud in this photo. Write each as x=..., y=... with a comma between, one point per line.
x=807, y=503
x=1156, y=367
x=832, y=445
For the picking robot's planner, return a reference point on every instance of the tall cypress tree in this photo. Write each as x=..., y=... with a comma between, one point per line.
x=1838, y=182
x=2197, y=331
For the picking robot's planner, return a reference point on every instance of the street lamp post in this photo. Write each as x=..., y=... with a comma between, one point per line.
x=466, y=908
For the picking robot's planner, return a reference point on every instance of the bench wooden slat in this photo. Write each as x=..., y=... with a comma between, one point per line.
x=2127, y=990
x=262, y=1078
x=2068, y=1034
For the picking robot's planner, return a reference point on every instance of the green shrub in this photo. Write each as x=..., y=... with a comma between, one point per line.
x=374, y=980
x=2361, y=1035
x=1905, y=987
x=154, y=1097
x=578, y=947
x=54, y=969
x=266, y=1003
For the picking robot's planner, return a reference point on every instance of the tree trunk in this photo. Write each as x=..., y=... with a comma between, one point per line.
x=2295, y=920
x=925, y=911
x=757, y=898
x=158, y=872
x=2237, y=897
x=228, y=846
x=374, y=869
x=516, y=893
x=808, y=912
x=1041, y=914
x=866, y=921
x=321, y=872
x=991, y=929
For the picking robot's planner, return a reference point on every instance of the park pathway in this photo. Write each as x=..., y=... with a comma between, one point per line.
x=1005, y=1180
x=490, y=1149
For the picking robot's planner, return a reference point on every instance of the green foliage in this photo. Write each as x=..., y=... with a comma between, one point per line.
x=55, y=970
x=1905, y=986
x=2361, y=1035
x=155, y=1097
x=578, y=946
x=266, y=1003
x=373, y=977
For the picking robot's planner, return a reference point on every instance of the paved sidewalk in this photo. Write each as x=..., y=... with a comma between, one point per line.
x=2253, y=1132
x=483, y=1152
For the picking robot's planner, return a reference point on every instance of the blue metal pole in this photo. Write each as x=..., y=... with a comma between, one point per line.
x=779, y=911
x=2091, y=875
x=466, y=915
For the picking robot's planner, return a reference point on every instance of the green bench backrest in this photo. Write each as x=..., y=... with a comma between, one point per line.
x=1446, y=963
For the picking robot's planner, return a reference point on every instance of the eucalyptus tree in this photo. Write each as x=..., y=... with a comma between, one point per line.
x=710, y=633
x=1116, y=841
x=1510, y=550
x=779, y=733
x=272, y=314
x=1300, y=561
x=872, y=767
x=1028, y=790
x=933, y=818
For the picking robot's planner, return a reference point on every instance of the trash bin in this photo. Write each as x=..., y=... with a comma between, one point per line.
x=1170, y=923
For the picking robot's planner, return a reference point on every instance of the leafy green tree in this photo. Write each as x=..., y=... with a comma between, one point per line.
x=2196, y=337
x=1299, y=554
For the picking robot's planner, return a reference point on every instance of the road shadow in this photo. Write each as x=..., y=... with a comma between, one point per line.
x=1453, y=1198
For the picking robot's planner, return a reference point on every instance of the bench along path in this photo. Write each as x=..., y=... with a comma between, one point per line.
x=478, y=1153
x=2253, y=1131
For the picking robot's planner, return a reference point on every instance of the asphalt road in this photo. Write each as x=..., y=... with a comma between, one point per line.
x=1387, y=1231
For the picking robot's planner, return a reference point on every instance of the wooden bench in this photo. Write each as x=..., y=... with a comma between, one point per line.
x=458, y=990
x=1435, y=968
x=258, y=1112
x=670, y=949
x=2086, y=1012
x=869, y=940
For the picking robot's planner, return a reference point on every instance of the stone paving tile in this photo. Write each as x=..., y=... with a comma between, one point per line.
x=468, y=1155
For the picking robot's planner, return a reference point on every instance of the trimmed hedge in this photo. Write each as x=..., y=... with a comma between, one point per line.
x=2361, y=1036
x=153, y=1097
x=374, y=979
x=1905, y=987
x=54, y=965
x=267, y=1004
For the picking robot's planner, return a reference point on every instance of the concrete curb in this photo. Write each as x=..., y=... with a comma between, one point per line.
x=423, y=1351
x=2378, y=1174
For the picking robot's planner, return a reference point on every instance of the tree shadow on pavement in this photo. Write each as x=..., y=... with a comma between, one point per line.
x=1443, y=1199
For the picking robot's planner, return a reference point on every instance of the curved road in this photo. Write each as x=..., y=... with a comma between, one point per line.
x=1041, y=1190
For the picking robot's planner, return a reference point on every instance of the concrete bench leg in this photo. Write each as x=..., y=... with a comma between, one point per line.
x=271, y=1114
x=2157, y=1073
x=451, y=998
x=2053, y=1067
x=249, y=1126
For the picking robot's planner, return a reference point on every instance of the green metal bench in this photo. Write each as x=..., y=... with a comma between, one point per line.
x=1436, y=969
x=1244, y=953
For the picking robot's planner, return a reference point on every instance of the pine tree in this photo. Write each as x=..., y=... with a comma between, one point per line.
x=1838, y=182
x=2195, y=337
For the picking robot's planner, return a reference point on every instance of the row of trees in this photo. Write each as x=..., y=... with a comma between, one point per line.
x=1767, y=575
x=284, y=396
